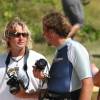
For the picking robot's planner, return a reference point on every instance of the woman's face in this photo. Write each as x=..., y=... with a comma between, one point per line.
x=18, y=38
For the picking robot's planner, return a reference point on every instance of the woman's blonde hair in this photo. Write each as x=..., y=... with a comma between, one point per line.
x=11, y=26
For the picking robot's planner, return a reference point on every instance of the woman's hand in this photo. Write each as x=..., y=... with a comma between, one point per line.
x=23, y=94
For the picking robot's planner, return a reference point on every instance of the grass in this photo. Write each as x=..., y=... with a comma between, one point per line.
x=94, y=96
x=94, y=48
x=92, y=14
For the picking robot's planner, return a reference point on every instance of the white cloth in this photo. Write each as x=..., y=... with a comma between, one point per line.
x=33, y=83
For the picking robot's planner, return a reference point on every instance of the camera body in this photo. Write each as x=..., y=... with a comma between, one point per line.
x=41, y=64
x=14, y=85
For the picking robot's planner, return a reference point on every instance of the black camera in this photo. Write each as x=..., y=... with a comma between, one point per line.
x=41, y=64
x=13, y=83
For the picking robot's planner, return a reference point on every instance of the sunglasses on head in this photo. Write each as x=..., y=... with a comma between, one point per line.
x=18, y=34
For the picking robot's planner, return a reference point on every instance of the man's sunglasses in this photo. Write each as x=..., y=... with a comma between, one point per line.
x=17, y=34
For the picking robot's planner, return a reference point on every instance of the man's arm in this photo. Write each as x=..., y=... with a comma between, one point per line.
x=86, y=90
x=74, y=12
x=75, y=28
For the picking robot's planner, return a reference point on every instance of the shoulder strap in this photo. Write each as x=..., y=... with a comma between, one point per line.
x=7, y=63
x=25, y=67
x=8, y=59
x=25, y=59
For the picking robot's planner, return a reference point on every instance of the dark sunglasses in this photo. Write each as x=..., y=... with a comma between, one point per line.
x=18, y=34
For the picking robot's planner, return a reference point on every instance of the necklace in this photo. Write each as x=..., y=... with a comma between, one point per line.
x=16, y=60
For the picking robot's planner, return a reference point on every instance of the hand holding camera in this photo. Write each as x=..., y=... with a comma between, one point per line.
x=17, y=80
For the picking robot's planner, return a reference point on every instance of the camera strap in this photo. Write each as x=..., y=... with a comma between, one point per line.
x=24, y=67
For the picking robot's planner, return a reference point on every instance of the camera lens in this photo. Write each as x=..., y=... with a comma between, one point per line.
x=14, y=90
x=13, y=84
x=41, y=64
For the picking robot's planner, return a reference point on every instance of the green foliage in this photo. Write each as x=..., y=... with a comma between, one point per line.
x=32, y=11
x=37, y=36
x=90, y=33
x=85, y=2
x=92, y=17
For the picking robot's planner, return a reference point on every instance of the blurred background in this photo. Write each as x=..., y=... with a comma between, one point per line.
x=32, y=11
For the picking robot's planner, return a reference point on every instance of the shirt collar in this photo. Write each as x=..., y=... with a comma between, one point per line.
x=64, y=43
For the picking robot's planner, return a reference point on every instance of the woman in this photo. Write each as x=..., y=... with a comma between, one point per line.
x=17, y=81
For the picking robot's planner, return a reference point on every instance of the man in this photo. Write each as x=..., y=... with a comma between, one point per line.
x=74, y=11
x=70, y=73
x=17, y=81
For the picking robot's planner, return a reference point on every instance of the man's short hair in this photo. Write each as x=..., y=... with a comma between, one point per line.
x=58, y=23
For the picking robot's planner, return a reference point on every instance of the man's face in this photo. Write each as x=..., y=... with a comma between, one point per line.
x=18, y=38
x=51, y=37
